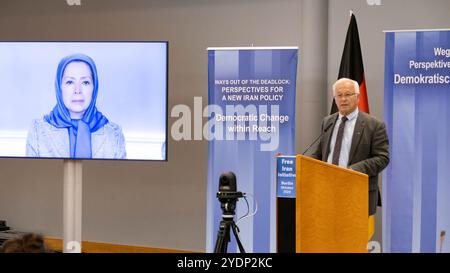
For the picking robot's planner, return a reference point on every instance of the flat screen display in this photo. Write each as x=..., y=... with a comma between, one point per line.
x=84, y=100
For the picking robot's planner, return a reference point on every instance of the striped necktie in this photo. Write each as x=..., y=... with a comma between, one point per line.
x=338, y=144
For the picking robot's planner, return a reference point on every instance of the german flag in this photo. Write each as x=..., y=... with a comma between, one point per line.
x=352, y=68
x=352, y=65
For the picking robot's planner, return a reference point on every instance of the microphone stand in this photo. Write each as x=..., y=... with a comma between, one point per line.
x=319, y=137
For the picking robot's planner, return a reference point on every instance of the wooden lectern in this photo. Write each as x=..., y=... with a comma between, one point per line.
x=331, y=208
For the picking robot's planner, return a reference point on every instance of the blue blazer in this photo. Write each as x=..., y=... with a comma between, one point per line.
x=45, y=140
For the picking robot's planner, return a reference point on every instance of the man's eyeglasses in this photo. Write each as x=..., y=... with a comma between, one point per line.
x=346, y=95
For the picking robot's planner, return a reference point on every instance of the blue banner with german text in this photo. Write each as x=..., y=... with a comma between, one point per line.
x=416, y=184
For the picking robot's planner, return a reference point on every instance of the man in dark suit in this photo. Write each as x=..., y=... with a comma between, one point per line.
x=354, y=139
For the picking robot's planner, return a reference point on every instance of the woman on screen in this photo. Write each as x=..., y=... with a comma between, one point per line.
x=75, y=128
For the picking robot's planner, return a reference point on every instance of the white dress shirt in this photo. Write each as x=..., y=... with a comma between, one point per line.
x=346, y=139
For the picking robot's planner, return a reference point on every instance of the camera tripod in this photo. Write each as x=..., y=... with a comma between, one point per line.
x=223, y=235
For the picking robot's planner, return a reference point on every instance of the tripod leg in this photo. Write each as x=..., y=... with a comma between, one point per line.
x=226, y=237
x=219, y=240
x=236, y=235
x=219, y=244
x=223, y=238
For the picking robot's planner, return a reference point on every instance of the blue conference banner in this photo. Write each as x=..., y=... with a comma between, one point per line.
x=286, y=173
x=416, y=184
x=251, y=120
